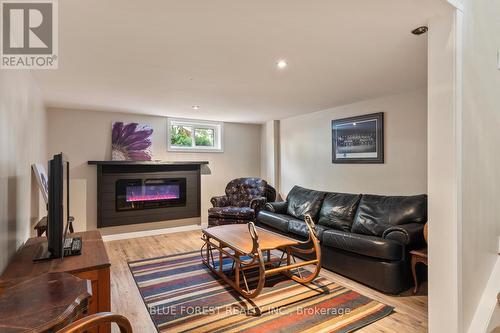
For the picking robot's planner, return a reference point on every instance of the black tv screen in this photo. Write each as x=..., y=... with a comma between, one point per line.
x=58, y=212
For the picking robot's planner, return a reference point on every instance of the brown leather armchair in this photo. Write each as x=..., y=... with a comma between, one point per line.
x=244, y=198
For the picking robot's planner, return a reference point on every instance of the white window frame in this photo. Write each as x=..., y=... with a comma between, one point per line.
x=217, y=126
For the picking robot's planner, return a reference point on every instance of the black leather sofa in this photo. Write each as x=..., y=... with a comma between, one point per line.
x=364, y=237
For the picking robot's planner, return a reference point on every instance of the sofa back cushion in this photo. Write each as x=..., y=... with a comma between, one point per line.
x=338, y=210
x=241, y=191
x=376, y=213
x=302, y=201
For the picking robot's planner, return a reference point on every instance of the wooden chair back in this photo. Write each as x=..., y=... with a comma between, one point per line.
x=88, y=322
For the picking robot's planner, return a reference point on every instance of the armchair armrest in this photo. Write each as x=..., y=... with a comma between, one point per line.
x=279, y=207
x=220, y=201
x=257, y=204
x=411, y=234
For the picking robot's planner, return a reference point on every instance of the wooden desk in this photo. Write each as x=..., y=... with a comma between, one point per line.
x=44, y=303
x=93, y=264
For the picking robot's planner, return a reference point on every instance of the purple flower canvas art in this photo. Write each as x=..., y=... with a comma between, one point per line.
x=131, y=142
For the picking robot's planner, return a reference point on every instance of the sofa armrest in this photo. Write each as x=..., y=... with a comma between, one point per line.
x=279, y=207
x=220, y=201
x=411, y=234
x=257, y=204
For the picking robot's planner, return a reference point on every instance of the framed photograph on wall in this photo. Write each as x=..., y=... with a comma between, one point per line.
x=358, y=139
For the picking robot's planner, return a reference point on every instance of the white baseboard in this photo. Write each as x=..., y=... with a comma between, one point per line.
x=488, y=303
x=137, y=234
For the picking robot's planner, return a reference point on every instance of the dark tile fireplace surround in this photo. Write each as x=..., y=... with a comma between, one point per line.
x=139, y=192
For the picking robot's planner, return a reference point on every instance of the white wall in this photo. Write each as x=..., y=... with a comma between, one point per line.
x=444, y=175
x=481, y=149
x=267, y=167
x=85, y=135
x=306, y=149
x=270, y=153
x=464, y=183
x=22, y=142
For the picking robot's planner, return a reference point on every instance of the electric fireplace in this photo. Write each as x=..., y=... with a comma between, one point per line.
x=138, y=194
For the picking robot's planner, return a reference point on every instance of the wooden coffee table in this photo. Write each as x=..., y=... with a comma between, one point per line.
x=245, y=245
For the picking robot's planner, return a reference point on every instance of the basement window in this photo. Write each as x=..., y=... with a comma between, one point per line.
x=186, y=135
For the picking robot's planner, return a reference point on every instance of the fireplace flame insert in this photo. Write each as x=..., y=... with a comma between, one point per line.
x=138, y=194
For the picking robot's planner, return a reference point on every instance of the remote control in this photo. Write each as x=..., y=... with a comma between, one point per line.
x=67, y=243
x=77, y=245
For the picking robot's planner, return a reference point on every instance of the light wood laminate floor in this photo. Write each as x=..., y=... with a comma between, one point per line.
x=410, y=311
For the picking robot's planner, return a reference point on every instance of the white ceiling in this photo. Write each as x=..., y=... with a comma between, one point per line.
x=162, y=57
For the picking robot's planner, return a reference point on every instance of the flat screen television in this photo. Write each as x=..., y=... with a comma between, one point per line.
x=58, y=209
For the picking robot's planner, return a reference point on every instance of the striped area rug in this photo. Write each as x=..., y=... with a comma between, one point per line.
x=182, y=295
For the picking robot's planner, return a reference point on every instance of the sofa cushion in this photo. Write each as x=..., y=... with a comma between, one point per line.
x=371, y=246
x=274, y=220
x=240, y=213
x=338, y=210
x=377, y=213
x=299, y=228
x=302, y=201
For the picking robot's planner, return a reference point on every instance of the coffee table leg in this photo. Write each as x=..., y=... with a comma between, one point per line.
x=207, y=243
x=220, y=261
x=315, y=249
x=237, y=270
x=260, y=285
x=257, y=261
x=261, y=264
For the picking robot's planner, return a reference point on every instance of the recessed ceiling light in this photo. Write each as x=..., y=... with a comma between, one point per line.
x=281, y=64
x=420, y=30
x=196, y=107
